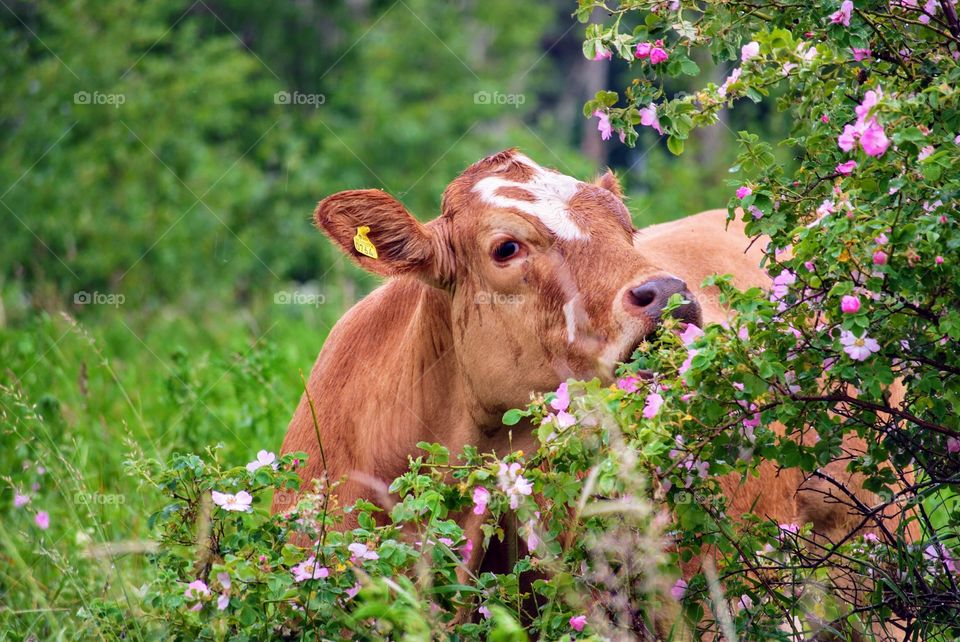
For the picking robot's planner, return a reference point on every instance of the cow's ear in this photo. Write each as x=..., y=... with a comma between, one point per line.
x=377, y=231
x=609, y=182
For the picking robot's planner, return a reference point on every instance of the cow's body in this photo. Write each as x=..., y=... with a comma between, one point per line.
x=441, y=351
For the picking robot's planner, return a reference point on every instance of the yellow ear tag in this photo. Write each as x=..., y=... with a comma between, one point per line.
x=364, y=245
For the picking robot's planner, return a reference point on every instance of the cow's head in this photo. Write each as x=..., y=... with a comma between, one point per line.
x=542, y=276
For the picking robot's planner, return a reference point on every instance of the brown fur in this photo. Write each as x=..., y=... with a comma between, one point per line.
x=432, y=356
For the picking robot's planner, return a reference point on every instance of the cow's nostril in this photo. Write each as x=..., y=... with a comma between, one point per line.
x=644, y=295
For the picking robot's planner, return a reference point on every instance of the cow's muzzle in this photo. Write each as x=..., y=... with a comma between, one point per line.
x=650, y=298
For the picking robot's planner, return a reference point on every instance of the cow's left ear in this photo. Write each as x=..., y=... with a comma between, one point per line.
x=377, y=231
x=609, y=182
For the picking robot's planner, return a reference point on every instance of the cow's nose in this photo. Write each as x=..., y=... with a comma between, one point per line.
x=651, y=297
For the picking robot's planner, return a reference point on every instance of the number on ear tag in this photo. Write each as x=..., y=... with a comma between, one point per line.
x=363, y=244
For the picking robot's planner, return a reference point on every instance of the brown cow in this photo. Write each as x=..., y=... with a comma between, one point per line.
x=527, y=278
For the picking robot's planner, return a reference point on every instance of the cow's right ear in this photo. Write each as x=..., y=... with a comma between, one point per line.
x=377, y=231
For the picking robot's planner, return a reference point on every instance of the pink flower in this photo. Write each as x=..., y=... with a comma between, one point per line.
x=239, y=502
x=481, y=497
x=658, y=54
x=874, y=141
x=20, y=500
x=360, y=552
x=484, y=611
x=870, y=100
x=860, y=54
x=956, y=140
x=743, y=191
x=690, y=334
x=643, y=50
x=565, y=419
x=925, y=153
x=678, y=590
x=602, y=53
x=629, y=383
x=848, y=138
x=195, y=592
x=882, y=239
x=687, y=363
x=731, y=79
x=953, y=445
x=42, y=520
x=782, y=283
x=224, y=579
x=938, y=260
x=467, y=551
x=264, y=458
x=577, y=622
x=846, y=168
x=652, y=407
x=879, y=257
x=809, y=266
x=858, y=348
x=749, y=50
x=603, y=126
x=824, y=119
x=562, y=400
x=648, y=117
x=843, y=15
x=308, y=570
x=223, y=602
x=513, y=483
x=850, y=304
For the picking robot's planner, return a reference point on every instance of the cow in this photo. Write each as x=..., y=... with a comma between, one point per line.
x=527, y=278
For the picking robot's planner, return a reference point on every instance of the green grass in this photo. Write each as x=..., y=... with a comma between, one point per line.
x=81, y=395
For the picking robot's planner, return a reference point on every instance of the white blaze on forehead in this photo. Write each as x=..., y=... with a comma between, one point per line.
x=551, y=192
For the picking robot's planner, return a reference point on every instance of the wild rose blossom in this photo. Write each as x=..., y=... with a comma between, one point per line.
x=603, y=124
x=652, y=406
x=513, y=483
x=879, y=257
x=749, y=50
x=360, y=552
x=679, y=589
x=238, y=502
x=481, y=497
x=264, y=458
x=846, y=168
x=648, y=118
x=20, y=500
x=309, y=570
x=577, y=622
x=842, y=16
x=195, y=592
x=850, y=304
x=658, y=54
x=867, y=130
x=743, y=191
x=858, y=348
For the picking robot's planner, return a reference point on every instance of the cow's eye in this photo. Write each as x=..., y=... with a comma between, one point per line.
x=506, y=250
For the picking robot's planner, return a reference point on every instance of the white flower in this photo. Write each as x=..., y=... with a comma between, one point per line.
x=513, y=483
x=264, y=458
x=858, y=348
x=239, y=502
